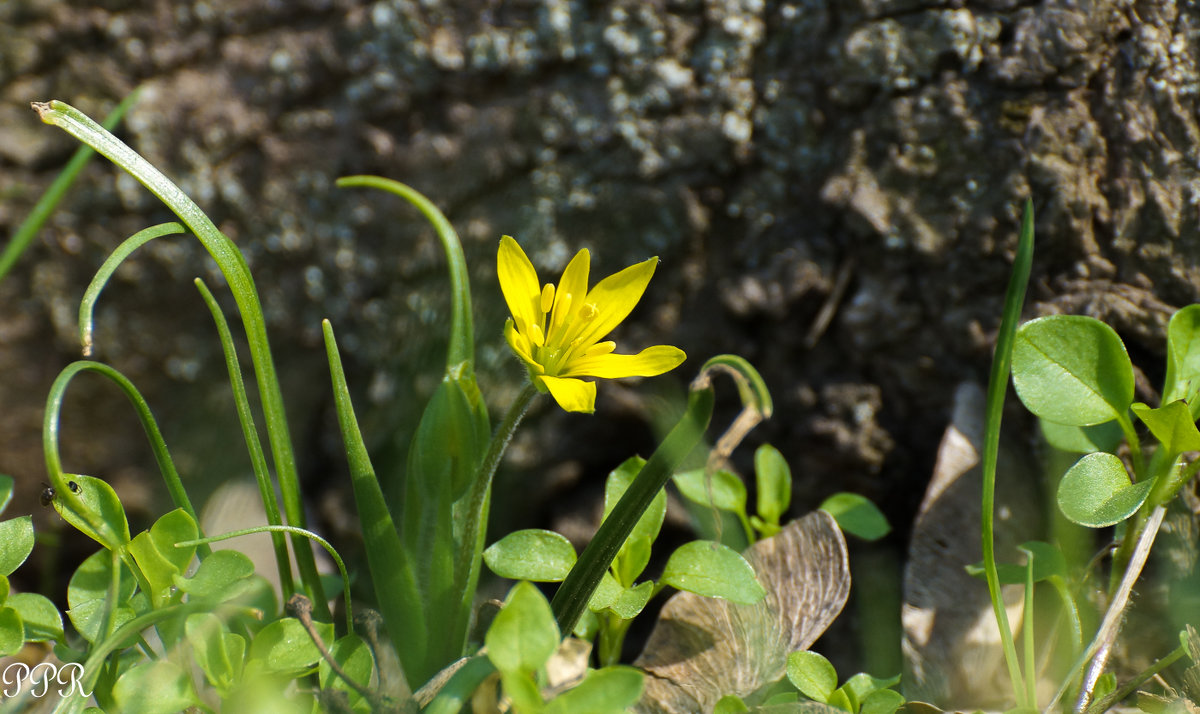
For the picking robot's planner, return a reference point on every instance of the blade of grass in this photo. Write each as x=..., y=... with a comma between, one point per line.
x=237, y=273
x=58, y=188
x=1014, y=298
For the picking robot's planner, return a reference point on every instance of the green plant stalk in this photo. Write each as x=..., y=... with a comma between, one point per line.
x=337, y=559
x=1027, y=635
x=1014, y=297
x=611, y=639
x=572, y=596
x=258, y=460
x=50, y=449
x=237, y=273
x=1129, y=687
x=58, y=188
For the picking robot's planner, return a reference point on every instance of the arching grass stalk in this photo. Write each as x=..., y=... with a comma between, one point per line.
x=50, y=424
x=58, y=188
x=337, y=559
x=233, y=266
x=1014, y=297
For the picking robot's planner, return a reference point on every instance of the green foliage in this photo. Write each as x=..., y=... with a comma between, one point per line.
x=815, y=677
x=1096, y=491
x=713, y=570
x=856, y=515
x=533, y=554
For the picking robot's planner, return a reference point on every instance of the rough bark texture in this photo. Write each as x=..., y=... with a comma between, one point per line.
x=868, y=156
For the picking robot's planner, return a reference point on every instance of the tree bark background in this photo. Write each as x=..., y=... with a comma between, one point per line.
x=865, y=156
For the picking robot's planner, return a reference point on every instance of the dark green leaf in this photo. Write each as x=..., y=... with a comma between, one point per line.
x=1072, y=369
x=533, y=554
x=857, y=516
x=1096, y=491
x=714, y=570
x=16, y=543
x=615, y=486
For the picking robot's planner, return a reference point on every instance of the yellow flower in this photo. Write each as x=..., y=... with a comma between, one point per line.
x=556, y=330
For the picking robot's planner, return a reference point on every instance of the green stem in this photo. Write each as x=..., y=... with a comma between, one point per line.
x=997, y=388
x=573, y=595
x=479, y=496
x=1129, y=687
x=237, y=273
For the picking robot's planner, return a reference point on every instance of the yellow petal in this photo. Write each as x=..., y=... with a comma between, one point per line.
x=519, y=283
x=521, y=346
x=649, y=362
x=573, y=395
x=571, y=290
x=613, y=299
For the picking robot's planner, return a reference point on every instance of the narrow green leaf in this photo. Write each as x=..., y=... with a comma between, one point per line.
x=16, y=543
x=611, y=690
x=728, y=493
x=812, y=674
x=1082, y=439
x=87, y=306
x=1096, y=491
x=537, y=555
x=711, y=569
x=773, y=478
x=285, y=648
x=1172, y=424
x=1183, y=359
x=856, y=515
x=41, y=618
x=159, y=687
x=1072, y=369
x=615, y=486
x=523, y=635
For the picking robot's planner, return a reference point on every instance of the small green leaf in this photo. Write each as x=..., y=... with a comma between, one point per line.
x=1106, y=685
x=223, y=575
x=1082, y=439
x=533, y=554
x=1072, y=369
x=774, y=481
x=632, y=600
x=863, y=685
x=158, y=558
x=160, y=687
x=730, y=704
x=284, y=646
x=841, y=699
x=521, y=688
x=812, y=674
x=354, y=656
x=87, y=594
x=606, y=593
x=16, y=543
x=728, y=493
x=856, y=515
x=6, y=491
x=215, y=649
x=1172, y=424
x=12, y=631
x=882, y=701
x=102, y=518
x=524, y=634
x=632, y=560
x=611, y=690
x=42, y=620
x=711, y=569
x=615, y=486
x=1183, y=359
x=1096, y=491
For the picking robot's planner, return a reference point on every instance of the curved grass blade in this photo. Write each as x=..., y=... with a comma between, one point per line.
x=50, y=424
x=1014, y=297
x=237, y=273
x=258, y=459
x=49, y=200
x=396, y=588
x=87, y=306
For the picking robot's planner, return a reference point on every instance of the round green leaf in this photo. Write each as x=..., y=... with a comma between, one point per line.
x=856, y=515
x=611, y=690
x=221, y=575
x=160, y=687
x=16, y=543
x=523, y=634
x=1096, y=491
x=533, y=554
x=42, y=619
x=724, y=491
x=102, y=518
x=1072, y=369
x=812, y=674
x=882, y=701
x=284, y=646
x=711, y=569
